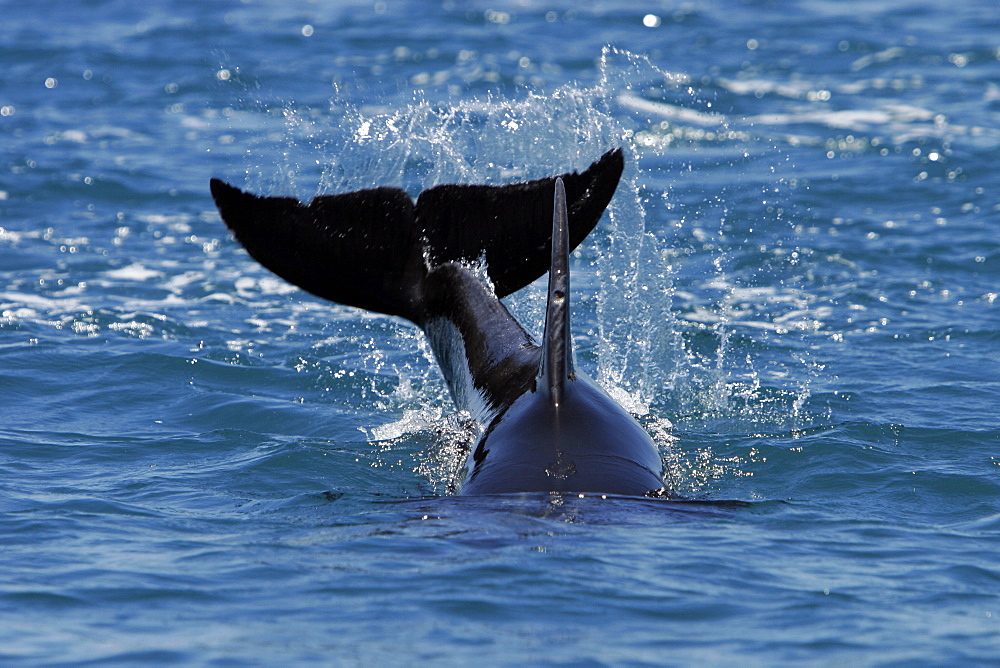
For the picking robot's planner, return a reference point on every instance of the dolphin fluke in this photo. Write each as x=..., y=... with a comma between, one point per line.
x=510, y=225
x=373, y=248
x=359, y=249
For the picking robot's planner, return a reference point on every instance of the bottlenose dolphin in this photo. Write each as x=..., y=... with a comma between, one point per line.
x=443, y=263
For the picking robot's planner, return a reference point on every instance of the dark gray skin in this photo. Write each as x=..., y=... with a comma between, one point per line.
x=588, y=443
x=548, y=428
x=585, y=442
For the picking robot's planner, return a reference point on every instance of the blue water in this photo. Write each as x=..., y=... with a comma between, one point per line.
x=794, y=289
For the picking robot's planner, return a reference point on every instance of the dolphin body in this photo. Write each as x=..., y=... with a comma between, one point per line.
x=548, y=427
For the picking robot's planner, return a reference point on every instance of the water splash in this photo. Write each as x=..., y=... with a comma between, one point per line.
x=653, y=358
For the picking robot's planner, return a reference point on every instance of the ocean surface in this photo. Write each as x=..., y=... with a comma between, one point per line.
x=794, y=289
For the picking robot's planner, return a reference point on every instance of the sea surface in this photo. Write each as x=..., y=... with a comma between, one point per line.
x=794, y=289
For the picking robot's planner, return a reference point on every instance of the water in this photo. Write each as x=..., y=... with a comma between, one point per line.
x=795, y=291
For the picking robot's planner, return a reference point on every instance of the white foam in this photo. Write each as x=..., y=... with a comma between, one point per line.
x=16, y=301
x=669, y=111
x=878, y=57
x=412, y=421
x=164, y=219
x=847, y=119
x=133, y=272
x=795, y=89
x=177, y=282
x=249, y=286
x=75, y=136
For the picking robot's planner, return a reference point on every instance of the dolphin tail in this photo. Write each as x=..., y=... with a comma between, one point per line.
x=556, y=365
x=509, y=226
x=359, y=248
x=373, y=248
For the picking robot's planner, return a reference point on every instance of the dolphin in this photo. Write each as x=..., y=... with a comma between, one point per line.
x=444, y=262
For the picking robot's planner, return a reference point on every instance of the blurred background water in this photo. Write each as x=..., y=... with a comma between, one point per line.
x=794, y=290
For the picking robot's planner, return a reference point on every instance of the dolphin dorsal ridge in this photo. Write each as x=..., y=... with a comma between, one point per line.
x=556, y=366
